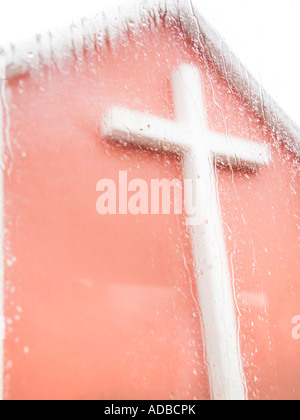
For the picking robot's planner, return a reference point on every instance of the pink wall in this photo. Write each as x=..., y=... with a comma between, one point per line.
x=107, y=303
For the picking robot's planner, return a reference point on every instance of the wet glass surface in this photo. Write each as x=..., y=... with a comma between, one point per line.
x=107, y=306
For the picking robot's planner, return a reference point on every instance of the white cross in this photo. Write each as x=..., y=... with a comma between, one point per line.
x=190, y=137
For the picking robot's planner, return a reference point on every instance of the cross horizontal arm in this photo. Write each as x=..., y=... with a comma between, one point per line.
x=154, y=133
x=238, y=152
x=143, y=130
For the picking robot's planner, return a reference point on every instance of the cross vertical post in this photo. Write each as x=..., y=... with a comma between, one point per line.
x=214, y=284
x=200, y=149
